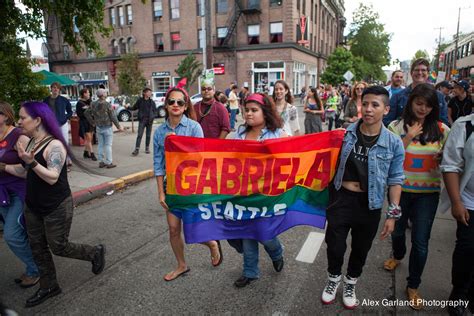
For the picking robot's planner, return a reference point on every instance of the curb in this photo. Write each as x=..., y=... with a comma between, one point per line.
x=86, y=195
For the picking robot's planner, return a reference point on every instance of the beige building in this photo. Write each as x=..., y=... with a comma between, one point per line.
x=463, y=66
x=255, y=42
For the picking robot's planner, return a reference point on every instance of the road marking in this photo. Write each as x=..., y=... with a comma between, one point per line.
x=310, y=248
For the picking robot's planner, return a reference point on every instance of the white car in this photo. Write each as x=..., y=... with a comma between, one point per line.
x=159, y=98
x=196, y=98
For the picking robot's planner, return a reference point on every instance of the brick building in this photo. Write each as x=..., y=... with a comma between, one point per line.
x=460, y=64
x=255, y=42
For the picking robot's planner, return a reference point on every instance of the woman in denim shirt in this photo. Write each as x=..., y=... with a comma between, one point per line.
x=371, y=159
x=180, y=120
x=261, y=122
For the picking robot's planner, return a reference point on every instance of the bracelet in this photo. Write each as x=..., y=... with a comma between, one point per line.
x=31, y=165
x=2, y=166
x=393, y=211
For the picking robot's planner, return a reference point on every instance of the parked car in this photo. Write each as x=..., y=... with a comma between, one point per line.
x=196, y=98
x=124, y=114
x=158, y=97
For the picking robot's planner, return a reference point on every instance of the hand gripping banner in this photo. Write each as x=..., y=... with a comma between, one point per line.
x=232, y=189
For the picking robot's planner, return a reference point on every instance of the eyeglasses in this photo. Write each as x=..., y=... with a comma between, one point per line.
x=173, y=101
x=420, y=70
x=206, y=88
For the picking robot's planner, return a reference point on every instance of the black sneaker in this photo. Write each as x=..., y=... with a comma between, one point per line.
x=135, y=152
x=243, y=281
x=98, y=263
x=147, y=151
x=42, y=295
x=102, y=164
x=278, y=264
x=93, y=157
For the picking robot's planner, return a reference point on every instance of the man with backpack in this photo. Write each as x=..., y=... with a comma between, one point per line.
x=458, y=174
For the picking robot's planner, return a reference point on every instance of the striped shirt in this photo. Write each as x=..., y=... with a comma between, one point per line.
x=420, y=166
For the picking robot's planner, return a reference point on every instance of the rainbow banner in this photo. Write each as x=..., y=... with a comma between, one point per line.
x=232, y=189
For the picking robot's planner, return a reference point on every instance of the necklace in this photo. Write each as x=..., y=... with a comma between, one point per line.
x=36, y=146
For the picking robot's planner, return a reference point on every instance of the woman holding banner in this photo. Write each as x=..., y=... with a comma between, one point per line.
x=371, y=159
x=180, y=120
x=261, y=122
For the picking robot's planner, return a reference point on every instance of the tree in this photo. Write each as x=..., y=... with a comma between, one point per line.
x=340, y=61
x=420, y=54
x=189, y=68
x=369, y=41
x=19, y=83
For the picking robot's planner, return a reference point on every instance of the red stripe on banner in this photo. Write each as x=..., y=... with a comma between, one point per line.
x=324, y=140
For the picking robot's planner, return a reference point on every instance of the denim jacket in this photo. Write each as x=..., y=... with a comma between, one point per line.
x=385, y=163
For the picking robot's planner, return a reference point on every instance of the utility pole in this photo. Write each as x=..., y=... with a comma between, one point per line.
x=456, y=44
x=209, y=50
x=439, y=47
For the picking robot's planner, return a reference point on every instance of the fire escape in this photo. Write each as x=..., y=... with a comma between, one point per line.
x=241, y=7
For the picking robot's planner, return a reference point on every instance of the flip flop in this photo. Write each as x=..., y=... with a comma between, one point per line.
x=177, y=275
x=220, y=255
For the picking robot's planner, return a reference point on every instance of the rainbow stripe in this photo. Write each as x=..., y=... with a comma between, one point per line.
x=230, y=189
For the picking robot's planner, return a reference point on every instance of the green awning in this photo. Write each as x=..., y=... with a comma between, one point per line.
x=50, y=77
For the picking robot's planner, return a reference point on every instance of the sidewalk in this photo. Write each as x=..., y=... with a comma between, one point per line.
x=87, y=186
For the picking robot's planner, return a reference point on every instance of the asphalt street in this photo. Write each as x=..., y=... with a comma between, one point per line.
x=133, y=226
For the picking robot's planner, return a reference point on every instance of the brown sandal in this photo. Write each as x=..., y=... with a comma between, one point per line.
x=391, y=264
x=220, y=255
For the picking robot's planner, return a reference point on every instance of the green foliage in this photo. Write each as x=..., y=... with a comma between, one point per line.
x=189, y=68
x=420, y=54
x=340, y=61
x=18, y=82
x=130, y=77
x=369, y=41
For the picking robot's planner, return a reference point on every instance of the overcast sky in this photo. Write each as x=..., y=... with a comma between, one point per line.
x=412, y=23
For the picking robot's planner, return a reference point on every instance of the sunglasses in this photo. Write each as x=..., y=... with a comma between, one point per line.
x=206, y=89
x=173, y=101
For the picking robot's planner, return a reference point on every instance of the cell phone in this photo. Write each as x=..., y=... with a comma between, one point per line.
x=31, y=145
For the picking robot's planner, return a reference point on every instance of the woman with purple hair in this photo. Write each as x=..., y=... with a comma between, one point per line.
x=49, y=207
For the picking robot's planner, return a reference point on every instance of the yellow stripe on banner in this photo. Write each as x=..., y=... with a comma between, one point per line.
x=240, y=173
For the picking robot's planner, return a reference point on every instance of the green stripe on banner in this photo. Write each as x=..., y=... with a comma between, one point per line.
x=315, y=198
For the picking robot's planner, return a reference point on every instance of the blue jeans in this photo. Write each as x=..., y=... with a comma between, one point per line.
x=105, y=137
x=420, y=208
x=15, y=234
x=272, y=247
x=233, y=114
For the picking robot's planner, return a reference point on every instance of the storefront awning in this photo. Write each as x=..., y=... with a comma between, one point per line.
x=50, y=77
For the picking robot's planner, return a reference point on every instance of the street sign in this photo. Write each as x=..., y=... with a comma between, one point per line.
x=348, y=75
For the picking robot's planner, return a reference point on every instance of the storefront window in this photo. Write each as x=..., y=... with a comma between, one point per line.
x=265, y=74
x=161, y=83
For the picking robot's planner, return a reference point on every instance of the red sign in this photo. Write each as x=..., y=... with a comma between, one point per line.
x=219, y=69
x=302, y=26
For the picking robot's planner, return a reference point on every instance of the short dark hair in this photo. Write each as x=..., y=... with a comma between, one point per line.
x=234, y=87
x=377, y=90
x=420, y=61
x=83, y=91
x=398, y=70
x=146, y=89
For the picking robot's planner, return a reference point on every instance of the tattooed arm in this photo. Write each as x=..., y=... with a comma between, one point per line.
x=55, y=155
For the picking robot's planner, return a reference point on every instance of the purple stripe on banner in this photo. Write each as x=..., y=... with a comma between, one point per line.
x=258, y=229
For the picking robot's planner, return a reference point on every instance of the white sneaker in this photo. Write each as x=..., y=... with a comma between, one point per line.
x=329, y=293
x=349, y=298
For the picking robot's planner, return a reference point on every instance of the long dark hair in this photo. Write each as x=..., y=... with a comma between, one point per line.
x=288, y=96
x=431, y=129
x=316, y=98
x=189, y=112
x=270, y=115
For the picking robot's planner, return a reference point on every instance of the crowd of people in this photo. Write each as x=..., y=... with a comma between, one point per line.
x=401, y=144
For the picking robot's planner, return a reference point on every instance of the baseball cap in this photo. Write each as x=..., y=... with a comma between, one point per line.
x=463, y=84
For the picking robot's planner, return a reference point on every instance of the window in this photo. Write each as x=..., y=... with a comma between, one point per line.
x=157, y=9
x=298, y=5
x=254, y=34
x=276, y=32
x=201, y=39
x=315, y=14
x=130, y=43
x=200, y=9
x=129, y=14
x=221, y=35
x=175, y=41
x=90, y=53
x=121, y=16
x=304, y=7
x=312, y=7
x=66, y=52
x=275, y=3
x=159, y=47
x=253, y=4
x=123, y=46
x=112, y=16
x=221, y=6
x=115, y=48
x=174, y=9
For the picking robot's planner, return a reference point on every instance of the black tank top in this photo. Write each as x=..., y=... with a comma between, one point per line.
x=42, y=197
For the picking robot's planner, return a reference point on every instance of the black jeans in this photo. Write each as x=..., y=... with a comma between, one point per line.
x=349, y=211
x=50, y=233
x=141, y=128
x=462, y=272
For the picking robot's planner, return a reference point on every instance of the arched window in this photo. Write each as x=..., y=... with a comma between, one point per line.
x=115, y=47
x=130, y=43
x=123, y=46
